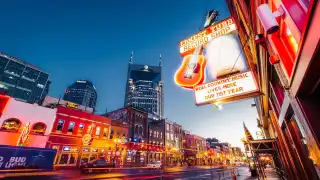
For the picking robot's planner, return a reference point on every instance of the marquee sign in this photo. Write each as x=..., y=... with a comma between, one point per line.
x=222, y=89
x=214, y=65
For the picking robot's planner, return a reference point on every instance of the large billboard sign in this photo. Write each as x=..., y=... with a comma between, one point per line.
x=211, y=57
x=223, y=89
x=15, y=157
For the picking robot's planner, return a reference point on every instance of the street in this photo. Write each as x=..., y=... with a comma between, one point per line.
x=176, y=173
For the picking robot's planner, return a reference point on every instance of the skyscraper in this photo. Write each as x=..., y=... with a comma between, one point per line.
x=82, y=92
x=22, y=80
x=144, y=87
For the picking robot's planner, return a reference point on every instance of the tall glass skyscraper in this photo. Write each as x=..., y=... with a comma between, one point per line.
x=144, y=87
x=22, y=80
x=82, y=92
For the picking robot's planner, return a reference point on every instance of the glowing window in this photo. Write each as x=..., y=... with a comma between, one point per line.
x=11, y=125
x=80, y=129
x=38, y=128
x=105, y=132
x=292, y=41
x=60, y=125
x=71, y=127
x=98, y=131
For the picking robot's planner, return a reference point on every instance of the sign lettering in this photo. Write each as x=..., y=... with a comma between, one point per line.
x=236, y=85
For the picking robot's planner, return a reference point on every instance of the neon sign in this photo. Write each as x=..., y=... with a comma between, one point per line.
x=222, y=28
x=24, y=136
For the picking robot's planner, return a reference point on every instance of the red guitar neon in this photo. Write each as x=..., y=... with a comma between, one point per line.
x=191, y=71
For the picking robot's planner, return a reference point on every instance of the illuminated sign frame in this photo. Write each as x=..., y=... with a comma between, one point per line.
x=223, y=90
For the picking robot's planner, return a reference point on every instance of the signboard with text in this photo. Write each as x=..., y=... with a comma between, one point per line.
x=214, y=65
x=226, y=88
x=14, y=157
x=203, y=37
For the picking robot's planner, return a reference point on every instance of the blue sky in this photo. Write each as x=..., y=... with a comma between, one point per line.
x=77, y=39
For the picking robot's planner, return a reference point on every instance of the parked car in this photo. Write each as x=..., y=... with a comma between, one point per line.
x=95, y=164
x=155, y=165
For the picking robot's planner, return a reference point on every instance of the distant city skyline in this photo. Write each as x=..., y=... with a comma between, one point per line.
x=74, y=40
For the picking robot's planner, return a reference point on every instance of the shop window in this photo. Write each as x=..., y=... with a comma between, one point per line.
x=71, y=127
x=80, y=129
x=38, y=128
x=11, y=125
x=60, y=125
x=105, y=132
x=98, y=131
x=68, y=159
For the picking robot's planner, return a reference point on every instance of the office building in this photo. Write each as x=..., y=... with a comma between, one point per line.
x=82, y=92
x=144, y=88
x=21, y=80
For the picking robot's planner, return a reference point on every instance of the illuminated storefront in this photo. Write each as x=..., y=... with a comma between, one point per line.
x=81, y=137
x=24, y=124
x=287, y=62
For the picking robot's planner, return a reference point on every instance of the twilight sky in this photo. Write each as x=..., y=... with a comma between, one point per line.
x=78, y=39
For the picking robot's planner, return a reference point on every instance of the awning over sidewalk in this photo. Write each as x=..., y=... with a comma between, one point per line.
x=267, y=146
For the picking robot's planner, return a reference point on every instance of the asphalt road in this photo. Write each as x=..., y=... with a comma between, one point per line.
x=168, y=174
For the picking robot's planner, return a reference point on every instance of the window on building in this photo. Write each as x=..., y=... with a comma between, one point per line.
x=80, y=129
x=157, y=134
x=167, y=135
x=171, y=136
x=124, y=134
x=71, y=127
x=98, y=131
x=60, y=125
x=38, y=128
x=154, y=134
x=140, y=130
x=150, y=132
x=111, y=133
x=105, y=132
x=168, y=127
x=11, y=125
x=160, y=134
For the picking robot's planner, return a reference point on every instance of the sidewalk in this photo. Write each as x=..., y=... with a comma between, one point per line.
x=245, y=174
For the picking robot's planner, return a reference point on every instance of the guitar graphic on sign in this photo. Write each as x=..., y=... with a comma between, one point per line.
x=191, y=71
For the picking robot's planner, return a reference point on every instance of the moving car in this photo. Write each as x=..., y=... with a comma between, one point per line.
x=155, y=165
x=95, y=165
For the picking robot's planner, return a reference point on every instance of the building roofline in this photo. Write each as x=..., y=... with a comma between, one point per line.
x=20, y=61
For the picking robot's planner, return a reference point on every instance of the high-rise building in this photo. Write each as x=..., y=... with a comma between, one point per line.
x=82, y=92
x=22, y=80
x=144, y=87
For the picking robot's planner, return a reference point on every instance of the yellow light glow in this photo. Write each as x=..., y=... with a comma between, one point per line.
x=292, y=41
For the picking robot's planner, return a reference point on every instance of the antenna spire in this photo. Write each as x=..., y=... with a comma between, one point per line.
x=160, y=60
x=131, y=58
